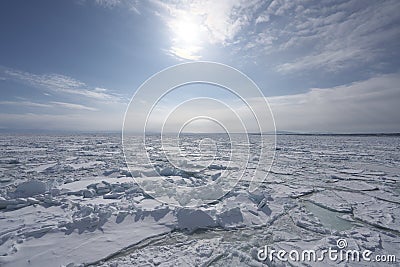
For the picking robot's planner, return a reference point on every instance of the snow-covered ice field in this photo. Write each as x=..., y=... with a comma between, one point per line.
x=70, y=200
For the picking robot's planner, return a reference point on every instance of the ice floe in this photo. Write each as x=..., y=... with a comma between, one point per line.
x=71, y=201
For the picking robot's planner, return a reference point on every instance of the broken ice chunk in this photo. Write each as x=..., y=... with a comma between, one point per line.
x=194, y=219
x=230, y=218
x=30, y=188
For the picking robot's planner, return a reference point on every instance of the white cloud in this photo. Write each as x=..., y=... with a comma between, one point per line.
x=52, y=104
x=63, y=84
x=336, y=36
x=108, y=3
x=262, y=18
x=130, y=4
x=190, y=53
x=330, y=60
x=213, y=22
x=365, y=106
x=25, y=103
x=71, y=122
x=298, y=34
x=73, y=106
x=55, y=81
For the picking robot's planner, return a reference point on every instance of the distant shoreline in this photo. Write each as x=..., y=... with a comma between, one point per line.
x=59, y=132
x=335, y=134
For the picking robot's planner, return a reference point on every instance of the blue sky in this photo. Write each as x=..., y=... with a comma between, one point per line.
x=323, y=65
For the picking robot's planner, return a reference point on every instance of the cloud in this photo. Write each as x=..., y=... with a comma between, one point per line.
x=73, y=106
x=296, y=35
x=305, y=35
x=130, y=4
x=108, y=3
x=25, y=103
x=213, y=22
x=67, y=122
x=335, y=36
x=330, y=60
x=365, y=106
x=52, y=104
x=63, y=84
x=190, y=53
x=56, y=81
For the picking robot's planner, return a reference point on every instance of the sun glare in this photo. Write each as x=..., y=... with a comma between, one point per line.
x=187, y=37
x=187, y=32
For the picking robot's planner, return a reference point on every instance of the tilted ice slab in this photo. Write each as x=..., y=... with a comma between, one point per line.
x=56, y=248
x=89, y=220
x=69, y=219
x=71, y=227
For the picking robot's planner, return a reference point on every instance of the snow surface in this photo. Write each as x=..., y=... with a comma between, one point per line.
x=69, y=200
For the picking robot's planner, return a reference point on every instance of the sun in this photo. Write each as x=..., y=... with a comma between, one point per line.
x=187, y=32
x=187, y=37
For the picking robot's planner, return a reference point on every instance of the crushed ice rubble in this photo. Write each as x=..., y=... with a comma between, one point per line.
x=70, y=201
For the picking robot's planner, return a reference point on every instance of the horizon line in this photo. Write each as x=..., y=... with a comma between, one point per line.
x=278, y=132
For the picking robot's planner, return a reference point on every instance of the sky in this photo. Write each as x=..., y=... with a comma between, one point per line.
x=323, y=66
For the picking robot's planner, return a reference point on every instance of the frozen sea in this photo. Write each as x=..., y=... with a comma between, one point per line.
x=70, y=200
